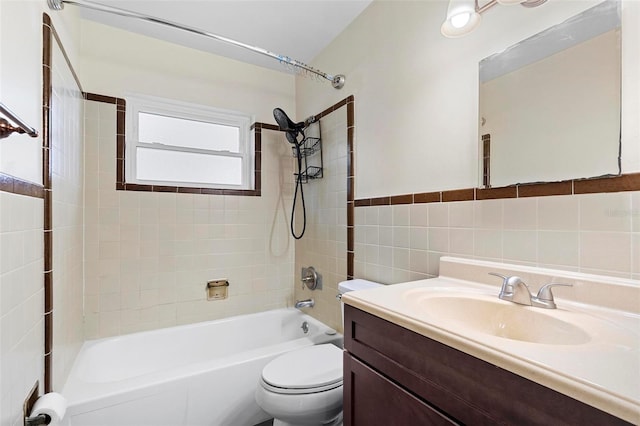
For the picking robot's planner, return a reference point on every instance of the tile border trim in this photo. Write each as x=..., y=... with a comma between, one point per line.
x=18, y=186
x=621, y=183
x=122, y=185
x=47, y=47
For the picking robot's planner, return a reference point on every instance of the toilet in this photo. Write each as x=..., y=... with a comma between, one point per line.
x=304, y=386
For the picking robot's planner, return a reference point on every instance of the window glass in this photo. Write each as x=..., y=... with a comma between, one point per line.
x=177, y=166
x=154, y=128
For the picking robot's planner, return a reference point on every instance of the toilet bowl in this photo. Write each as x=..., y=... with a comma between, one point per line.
x=304, y=386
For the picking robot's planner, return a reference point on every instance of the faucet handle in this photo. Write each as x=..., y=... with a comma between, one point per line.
x=504, y=277
x=506, y=288
x=509, y=283
x=544, y=299
x=545, y=291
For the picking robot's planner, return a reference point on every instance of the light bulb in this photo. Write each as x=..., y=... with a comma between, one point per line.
x=460, y=20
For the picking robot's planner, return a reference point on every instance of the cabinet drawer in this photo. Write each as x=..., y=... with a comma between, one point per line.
x=468, y=389
x=375, y=400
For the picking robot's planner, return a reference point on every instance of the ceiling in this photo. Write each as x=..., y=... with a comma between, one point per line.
x=299, y=29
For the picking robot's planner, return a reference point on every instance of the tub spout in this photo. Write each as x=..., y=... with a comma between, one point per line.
x=308, y=303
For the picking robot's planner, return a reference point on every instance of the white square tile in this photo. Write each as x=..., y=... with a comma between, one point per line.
x=520, y=213
x=385, y=256
x=559, y=248
x=401, y=259
x=520, y=245
x=419, y=238
x=401, y=236
x=487, y=243
x=438, y=214
x=461, y=214
x=439, y=240
x=609, y=251
x=419, y=261
x=385, y=215
x=385, y=234
x=488, y=214
x=371, y=216
x=400, y=215
x=418, y=215
x=605, y=212
x=461, y=241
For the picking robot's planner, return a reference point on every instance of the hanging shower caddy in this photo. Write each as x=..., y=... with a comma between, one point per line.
x=311, y=153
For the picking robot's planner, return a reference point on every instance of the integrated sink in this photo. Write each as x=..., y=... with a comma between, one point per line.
x=491, y=316
x=587, y=347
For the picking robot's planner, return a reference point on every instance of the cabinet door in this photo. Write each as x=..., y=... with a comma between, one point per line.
x=371, y=399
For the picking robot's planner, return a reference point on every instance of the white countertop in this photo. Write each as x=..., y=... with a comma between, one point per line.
x=603, y=372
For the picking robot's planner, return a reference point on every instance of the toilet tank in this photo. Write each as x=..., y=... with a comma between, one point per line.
x=352, y=285
x=357, y=284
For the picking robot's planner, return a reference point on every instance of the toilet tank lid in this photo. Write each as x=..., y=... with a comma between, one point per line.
x=356, y=284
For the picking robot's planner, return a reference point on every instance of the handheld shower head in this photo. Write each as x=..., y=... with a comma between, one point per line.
x=287, y=125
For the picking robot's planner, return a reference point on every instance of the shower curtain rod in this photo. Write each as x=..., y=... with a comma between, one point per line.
x=337, y=81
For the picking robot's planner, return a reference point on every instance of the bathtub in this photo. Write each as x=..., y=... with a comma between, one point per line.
x=198, y=374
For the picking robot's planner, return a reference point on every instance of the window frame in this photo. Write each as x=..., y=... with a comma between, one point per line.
x=195, y=112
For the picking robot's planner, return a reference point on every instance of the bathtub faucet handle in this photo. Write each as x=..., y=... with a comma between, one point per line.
x=310, y=279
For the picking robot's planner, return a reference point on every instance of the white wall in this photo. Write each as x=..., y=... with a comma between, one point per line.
x=21, y=77
x=21, y=218
x=157, y=68
x=21, y=85
x=416, y=92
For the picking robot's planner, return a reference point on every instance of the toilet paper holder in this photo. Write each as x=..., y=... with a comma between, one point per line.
x=39, y=420
x=48, y=409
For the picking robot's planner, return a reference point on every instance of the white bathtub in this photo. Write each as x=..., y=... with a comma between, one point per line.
x=199, y=374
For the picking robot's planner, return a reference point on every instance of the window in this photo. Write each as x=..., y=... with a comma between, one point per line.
x=171, y=143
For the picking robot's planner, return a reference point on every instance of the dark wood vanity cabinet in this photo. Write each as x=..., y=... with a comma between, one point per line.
x=394, y=376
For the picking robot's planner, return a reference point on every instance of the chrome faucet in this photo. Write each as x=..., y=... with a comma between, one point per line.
x=515, y=290
x=544, y=299
x=308, y=303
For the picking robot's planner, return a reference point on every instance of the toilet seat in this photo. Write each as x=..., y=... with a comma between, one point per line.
x=308, y=370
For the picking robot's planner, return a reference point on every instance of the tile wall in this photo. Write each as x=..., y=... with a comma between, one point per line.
x=149, y=255
x=591, y=233
x=324, y=245
x=67, y=189
x=21, y=301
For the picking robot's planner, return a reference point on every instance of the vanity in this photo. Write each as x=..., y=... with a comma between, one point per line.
x=449, y=351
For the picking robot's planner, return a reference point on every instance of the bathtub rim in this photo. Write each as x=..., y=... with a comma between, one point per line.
x=90, y=394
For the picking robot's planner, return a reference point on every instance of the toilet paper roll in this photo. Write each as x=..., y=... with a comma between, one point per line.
x=53, y=405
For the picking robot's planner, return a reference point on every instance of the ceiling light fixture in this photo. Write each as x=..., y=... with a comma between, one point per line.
x=464, y=16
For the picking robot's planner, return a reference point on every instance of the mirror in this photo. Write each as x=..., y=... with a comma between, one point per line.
x=550, y=105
